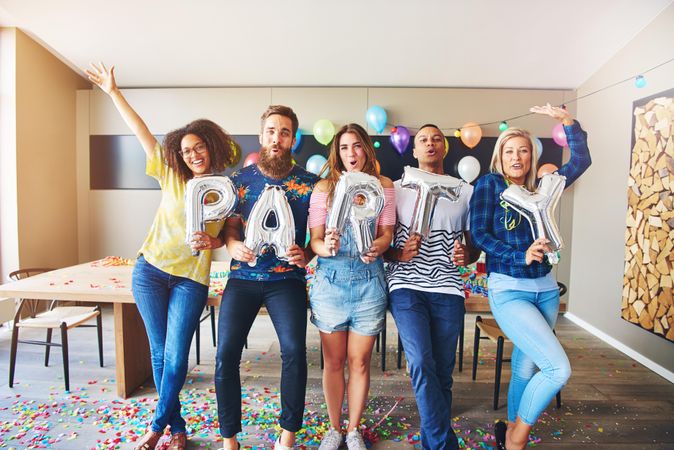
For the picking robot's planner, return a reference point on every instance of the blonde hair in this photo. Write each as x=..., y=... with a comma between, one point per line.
x=496, y=164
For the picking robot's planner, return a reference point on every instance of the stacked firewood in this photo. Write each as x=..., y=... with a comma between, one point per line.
x=649, y=236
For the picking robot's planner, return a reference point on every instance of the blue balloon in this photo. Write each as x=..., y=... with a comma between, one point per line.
x=376, y=118
x=298, y=140
x=315, y=163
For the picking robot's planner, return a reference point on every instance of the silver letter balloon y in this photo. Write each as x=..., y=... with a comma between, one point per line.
x=539, y=209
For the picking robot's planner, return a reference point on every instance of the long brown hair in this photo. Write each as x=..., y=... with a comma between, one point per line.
x=497, y=159
x=334, y=167
x=222, y=149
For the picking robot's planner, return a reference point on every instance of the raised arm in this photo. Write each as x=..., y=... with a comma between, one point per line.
x=105, y=79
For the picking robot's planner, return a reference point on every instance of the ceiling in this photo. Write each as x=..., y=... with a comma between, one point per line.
x=478, y=43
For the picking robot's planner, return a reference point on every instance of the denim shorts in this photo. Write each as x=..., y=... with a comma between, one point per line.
x=344, y=300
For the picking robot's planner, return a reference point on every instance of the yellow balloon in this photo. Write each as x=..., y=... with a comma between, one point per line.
x=446, y=146
x=457, y=134
x=324, y=131
x=471, y=133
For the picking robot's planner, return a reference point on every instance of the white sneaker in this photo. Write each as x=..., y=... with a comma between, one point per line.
x=354, y=441
x=332, y=439
x=278, y=446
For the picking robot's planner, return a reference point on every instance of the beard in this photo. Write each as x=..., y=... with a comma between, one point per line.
x=275, y=166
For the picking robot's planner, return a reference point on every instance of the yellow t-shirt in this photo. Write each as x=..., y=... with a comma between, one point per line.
x=165, y=246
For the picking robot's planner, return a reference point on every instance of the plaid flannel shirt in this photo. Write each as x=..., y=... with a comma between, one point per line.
x=506, y=249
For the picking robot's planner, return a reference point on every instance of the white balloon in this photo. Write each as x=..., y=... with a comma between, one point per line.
x=197, y=213
x=469, y=168
x=259, y=235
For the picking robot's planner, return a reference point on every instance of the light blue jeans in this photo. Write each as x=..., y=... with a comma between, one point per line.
x=527, y=318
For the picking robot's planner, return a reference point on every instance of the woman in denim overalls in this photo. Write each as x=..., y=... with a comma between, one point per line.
x=348, y=296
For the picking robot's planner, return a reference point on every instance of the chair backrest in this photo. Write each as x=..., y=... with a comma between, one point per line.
x=562, y=288
x=28, y=307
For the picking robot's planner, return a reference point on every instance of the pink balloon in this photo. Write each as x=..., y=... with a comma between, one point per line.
x=558, y=135
x=251, y=159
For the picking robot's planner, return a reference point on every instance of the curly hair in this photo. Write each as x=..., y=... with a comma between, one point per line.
x=334, y=166
x=222, y=149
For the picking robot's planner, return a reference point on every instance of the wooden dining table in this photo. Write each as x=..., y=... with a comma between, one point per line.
x=95, y=282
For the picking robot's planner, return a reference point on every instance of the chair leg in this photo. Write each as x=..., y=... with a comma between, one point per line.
x=499, y=366
x=47, y=347
x=99, y=332
x=400, y=352
x=213, y=324
x=383, y=346
x=376, y=343
x=476, y=346
x=559, y=399
x=64, y=349
x=463, y=329
x=198, y=342
x=12, y=354
x=322, y=362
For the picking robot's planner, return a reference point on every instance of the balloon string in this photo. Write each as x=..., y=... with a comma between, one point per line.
x=400, y=399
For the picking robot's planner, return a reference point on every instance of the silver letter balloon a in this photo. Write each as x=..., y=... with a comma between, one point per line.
x=280, y=236
x=350, y=187
x=539, y=209
x=197, y=212
x=430, y=187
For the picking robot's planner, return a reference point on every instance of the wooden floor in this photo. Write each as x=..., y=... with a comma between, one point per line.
x=611, y=402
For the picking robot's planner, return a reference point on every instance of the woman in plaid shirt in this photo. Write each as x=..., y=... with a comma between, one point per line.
x=523, y=293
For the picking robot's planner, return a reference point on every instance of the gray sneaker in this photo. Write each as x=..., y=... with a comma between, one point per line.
x=332, y=439
x=354, y=441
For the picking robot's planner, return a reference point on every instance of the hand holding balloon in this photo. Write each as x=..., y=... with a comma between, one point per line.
x=239, y=251
x=203, y=241
x=296, y=256
x=460, y=255
x=537, y=251
x=370, y=255
x=411, y=248
x=331, y=241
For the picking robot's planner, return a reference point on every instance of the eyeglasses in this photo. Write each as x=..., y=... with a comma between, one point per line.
x=197, y=149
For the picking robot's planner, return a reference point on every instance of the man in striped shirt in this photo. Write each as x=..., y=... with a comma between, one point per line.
x=426, y=292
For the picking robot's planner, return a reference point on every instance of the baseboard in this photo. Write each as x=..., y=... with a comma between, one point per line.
x=655, y=367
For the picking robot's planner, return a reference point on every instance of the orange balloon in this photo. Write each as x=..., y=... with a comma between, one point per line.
x=546, y=168
x=471, y=133
x=378, y=166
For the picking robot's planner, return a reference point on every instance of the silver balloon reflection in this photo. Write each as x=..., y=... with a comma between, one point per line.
x=281, y=235
x=430, y=187
x=358, y=197
x=197, y=212
x=539, y=209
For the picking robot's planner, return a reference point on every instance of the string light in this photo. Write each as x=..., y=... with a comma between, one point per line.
x=639, y=82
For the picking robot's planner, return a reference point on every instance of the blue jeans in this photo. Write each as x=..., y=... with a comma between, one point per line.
x=527, y=318
x=429, y=325
x=286, y=303
x=170, y=307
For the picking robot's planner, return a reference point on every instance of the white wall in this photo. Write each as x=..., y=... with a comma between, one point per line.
x=600, y=200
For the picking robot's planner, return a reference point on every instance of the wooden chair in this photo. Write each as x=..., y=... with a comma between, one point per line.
x=489, y=327
x=61, y=317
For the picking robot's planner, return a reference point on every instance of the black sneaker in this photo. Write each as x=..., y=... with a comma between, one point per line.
x=500, y=434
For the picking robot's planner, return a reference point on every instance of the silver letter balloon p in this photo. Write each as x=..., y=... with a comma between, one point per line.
x=262, y=232
x=352, y=187
x=430, y=187
x=539, y=209
x=198, y=212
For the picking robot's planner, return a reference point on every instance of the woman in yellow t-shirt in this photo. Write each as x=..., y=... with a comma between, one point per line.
x=170, y=285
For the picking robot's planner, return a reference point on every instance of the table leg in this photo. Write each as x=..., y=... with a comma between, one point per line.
x=132, y=349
